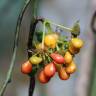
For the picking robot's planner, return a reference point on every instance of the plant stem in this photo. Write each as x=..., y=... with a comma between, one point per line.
x=43, y=34
x=9, y=74
x=57, y=48
x=30, y=39
x=66, y=28
x=8, y=78
x=49, y=60
x=31, y=86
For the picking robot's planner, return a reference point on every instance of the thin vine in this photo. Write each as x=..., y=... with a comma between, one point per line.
x=9, y=74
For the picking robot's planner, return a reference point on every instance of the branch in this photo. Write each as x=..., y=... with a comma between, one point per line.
x=9, y=74
x=30, y=39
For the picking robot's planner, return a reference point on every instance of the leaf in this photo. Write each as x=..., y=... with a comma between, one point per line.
x=39, y=36
x=48, y=27
x=76, y=29
x=62, y=38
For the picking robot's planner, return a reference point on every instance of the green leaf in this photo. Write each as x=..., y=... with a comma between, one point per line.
x=62, y=38
x=66, y=45
x=76, y=29
x=49, y=27
x=39, y=36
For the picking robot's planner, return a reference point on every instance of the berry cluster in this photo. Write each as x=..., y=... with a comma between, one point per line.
x=52, y=53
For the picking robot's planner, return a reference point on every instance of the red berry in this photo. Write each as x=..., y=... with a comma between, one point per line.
x=43, y=78
x=26, y=68
x=50, y=69
x=59, y=59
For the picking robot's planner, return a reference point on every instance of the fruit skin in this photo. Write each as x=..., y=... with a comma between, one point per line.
x=26, y=68
x=55, y=35
x=50, y=41
x=71, y=68
x=76, y=43
x=39, y=46
x=58, y=67
x=50, y=69
x=35, y=60
x=73, y=50
x=68, y=58
x=43, y=78
x=59, y=59
x=62, y=74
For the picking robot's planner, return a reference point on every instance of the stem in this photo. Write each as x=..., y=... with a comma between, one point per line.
x=30, y=39
x=66, y=28
x=57, y=48
x=31, y=85
x=9, y=74
x=36, y=53
x=43, y=34
x=49, y=60
x=8, y=78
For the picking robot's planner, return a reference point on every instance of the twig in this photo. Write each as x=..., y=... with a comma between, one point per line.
x=43, y=34
x=9, y=74
x=30, y=39
x=31, y=85
x=61, y=26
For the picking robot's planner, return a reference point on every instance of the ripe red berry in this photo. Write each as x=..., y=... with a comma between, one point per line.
x=50, y=69
x=59, y=59
x=26, y=68
x=43, y=78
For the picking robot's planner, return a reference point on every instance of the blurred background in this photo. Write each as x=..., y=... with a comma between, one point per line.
x=64, y=12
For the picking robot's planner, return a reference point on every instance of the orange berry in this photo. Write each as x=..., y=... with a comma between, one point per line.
x=26, y=68
x=43, y=78
x=76, y=43
x=71, y=68
x=49, y=70
x=63, y=75
x=68, y=58
x=50, y=41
